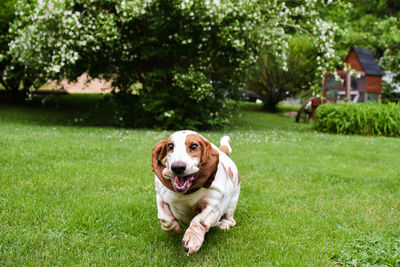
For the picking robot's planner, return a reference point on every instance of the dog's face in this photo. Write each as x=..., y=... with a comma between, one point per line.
x=185, y=161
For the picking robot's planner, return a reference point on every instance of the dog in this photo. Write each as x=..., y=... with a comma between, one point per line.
x=196, y=184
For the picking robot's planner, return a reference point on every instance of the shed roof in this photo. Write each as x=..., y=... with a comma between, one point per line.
x=367, y=61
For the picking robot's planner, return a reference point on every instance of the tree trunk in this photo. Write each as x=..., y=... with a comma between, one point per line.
x=12, y=89
x=393, y=8
x=270, y=103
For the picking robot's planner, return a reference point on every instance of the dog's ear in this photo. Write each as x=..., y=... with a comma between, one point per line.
x=206, y=152
x=159, y=154
x=208, y=165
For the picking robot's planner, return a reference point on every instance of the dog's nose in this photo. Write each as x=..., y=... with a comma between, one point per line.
x=178, y=167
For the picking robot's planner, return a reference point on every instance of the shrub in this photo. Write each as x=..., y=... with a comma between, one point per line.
x=365, y=119
x=144, y=111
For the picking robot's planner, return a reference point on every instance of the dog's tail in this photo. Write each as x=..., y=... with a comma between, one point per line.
x=225, y=147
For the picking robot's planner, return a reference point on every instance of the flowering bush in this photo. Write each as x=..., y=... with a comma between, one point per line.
x=16, y=77
x=173, y=48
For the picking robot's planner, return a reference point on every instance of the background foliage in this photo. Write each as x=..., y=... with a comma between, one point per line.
x=370, y=24
x=186, y=55
x=16, y=77
x=274, y=83
x=356, y=118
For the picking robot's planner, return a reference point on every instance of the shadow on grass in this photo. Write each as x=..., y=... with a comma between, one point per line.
x=60, y=109
x=98, y=110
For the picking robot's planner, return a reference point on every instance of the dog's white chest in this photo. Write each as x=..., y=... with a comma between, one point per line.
x=182, y=206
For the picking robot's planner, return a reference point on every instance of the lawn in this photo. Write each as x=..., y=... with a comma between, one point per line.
x=76, y=194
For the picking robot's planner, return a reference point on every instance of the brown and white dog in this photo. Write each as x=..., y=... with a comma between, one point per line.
x=197, y=184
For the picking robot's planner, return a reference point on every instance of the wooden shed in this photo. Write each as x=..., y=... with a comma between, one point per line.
x=364, y=88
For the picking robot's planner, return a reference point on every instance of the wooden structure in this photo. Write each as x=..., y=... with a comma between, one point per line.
x=307, y=110
x=364, y=88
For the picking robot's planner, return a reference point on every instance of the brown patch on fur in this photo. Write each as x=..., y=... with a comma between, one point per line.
x=208, y=161
x=223, y=166
x=199, y=206
x=238, y=178
x=194, y=139
x=159, y=153
x=230, y=174
x=224, y=149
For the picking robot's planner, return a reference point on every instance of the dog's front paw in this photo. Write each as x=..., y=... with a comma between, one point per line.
x=192, y=240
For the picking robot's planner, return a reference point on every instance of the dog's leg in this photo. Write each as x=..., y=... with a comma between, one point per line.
x=227, y=221
x=199, y=226
x=167, y=219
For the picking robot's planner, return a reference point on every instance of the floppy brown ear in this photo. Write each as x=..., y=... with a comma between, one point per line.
x=208, y=165
x=159, y=153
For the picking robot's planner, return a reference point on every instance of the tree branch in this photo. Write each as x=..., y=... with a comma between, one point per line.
x=296, y=26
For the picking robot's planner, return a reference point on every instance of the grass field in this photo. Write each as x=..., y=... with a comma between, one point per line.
x=75, y=194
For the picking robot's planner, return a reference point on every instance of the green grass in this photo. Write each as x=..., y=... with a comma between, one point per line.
x=75, y=194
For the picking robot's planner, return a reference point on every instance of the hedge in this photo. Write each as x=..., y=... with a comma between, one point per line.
x=364, y=119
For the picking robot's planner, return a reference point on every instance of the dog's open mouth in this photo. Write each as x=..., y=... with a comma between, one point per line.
x=182, y=183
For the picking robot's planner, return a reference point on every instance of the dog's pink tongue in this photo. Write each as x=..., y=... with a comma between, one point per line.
x=181, y=181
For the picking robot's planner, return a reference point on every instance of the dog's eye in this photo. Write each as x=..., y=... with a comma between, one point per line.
x=193, y=146
x=170, y=146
